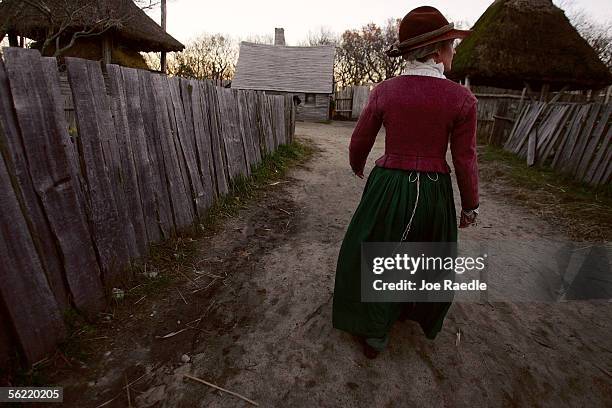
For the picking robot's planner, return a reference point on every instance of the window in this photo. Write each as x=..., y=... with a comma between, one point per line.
x=310, y=99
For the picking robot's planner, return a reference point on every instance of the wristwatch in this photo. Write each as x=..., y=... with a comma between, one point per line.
x=471, y=212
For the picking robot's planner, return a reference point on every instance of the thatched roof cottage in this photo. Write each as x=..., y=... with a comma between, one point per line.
x=518, y=42
x=307, y=72
x=130, y=29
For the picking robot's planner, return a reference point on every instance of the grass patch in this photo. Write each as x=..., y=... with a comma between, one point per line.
x=584, y=212
x=243, y=189
x=167, y=259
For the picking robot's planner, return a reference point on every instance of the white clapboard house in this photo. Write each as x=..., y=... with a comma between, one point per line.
x=307, y=72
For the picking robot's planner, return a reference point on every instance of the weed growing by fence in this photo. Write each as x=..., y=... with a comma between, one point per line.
x=272, y=168
x=582, y=211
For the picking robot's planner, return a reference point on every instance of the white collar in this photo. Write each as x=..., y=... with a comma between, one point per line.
x=427, y=68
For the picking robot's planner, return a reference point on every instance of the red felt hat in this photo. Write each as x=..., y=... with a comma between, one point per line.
x=424, y=26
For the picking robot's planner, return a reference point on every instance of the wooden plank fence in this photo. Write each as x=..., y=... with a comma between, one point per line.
x=572, y=138
x=149, y=155
x=360, y=99
x=351, y=100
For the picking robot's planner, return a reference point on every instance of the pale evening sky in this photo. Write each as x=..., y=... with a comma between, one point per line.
x=241, y=18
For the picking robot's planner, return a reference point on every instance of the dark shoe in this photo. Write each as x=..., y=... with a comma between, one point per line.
x=406, y=312
x=369, y=351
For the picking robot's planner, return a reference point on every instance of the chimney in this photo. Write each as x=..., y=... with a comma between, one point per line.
x=279, y=36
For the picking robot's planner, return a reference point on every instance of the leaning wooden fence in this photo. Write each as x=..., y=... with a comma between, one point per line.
x=149, y=155
x=572, y=138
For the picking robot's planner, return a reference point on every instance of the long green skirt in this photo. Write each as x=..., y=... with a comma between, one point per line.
x=385, y=208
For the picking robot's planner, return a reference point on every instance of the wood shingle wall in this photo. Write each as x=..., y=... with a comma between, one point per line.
x=149, y=155
x=285, y=69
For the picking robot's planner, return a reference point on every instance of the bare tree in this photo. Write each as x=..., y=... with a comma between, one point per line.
x=211, y=56
x=152, y=60
x=324, y=36
x=350, y=67
x=598, y=35
x=62, y=17
x=391, y=66
x=260, y=39
x=361, y=58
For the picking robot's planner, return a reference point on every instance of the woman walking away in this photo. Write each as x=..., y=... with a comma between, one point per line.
x=408, y=195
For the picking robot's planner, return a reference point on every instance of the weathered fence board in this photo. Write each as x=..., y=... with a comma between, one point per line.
x=184, y=152
x=360, y=99
x=151, y=113
x=253, y=121
x=288, y=118
x=278, y=112
x=263, y=111
x=292, y=127
x=50, y=72
x=113, y=162
x=583, y=138
x=536, y=110
x=246, y=131
x=94, y=127
x=231, y=131
x=531, y=146
x=544, y=132
x=172, y=176
x=217, y=144
x=605, y=171
x=190, y=152
x=7, y=339
x=10, y=144
x=515, y=128
x=553, y=132
x=145, y=156
x=143, y=165
x=595, y=174
x=26, y=294
x=594, y=142
x=203, y=142
x=563, y=138
x=49, y=170
x=129, y=190
x=563, y=163
x=251, y=100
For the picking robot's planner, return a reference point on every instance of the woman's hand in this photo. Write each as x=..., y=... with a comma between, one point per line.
x=468, y=218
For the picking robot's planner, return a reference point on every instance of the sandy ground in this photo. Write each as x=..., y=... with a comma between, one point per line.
x=266, y=331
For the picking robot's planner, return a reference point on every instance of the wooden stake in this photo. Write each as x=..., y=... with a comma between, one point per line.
x=544, y=92
x=520, y=106
x=107, y=50
x=221, y=389
x=13, y=40
x=164, y=13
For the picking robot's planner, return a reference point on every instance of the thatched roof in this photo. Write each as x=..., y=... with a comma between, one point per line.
x=130, y=25
x=284, y=68
x=517, y=41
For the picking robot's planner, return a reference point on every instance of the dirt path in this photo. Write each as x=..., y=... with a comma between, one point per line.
x=266, y=332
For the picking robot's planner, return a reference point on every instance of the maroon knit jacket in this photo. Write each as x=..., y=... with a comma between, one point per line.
x=421, y=114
